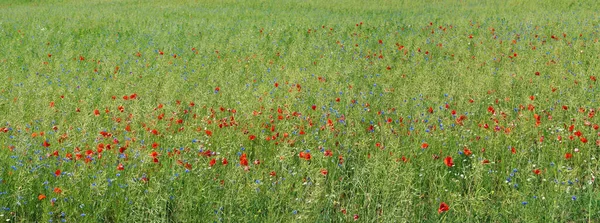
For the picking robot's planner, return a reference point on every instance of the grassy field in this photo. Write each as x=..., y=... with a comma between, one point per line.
x=299, y=111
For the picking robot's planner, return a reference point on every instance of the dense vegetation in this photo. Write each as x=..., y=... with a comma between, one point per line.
x=309, y=111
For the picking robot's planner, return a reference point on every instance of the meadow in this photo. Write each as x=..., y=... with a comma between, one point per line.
x=299, y=111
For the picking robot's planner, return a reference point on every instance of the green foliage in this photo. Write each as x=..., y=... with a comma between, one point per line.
x=361, y=86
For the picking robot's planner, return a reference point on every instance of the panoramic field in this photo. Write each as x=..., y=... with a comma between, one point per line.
x=299, y=111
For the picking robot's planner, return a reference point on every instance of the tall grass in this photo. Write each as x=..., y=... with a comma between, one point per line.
x=379, y=93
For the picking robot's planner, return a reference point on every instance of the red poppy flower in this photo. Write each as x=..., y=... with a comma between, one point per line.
x=212, y=162
x=448, y=161
x=324, y=172
x=568, y=155
x=491, y=110
x=430, y=110
x=467, y=152
x=57, y=173
x=460, y=119
x=57, y=190
x=224, y=162
x=120, y=166
x=424, y=145
x=571, y=128
x=404, y=159
x=244, y=160
x=304, y=155
x=537, y=119
x=206, y=153
x=251, y=137
x=443, y=208
x=41, y=197
x=537, y=171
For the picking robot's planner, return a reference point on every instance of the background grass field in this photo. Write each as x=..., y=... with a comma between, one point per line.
x=370, y=111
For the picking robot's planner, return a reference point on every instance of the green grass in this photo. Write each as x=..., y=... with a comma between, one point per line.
x=372, y=71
